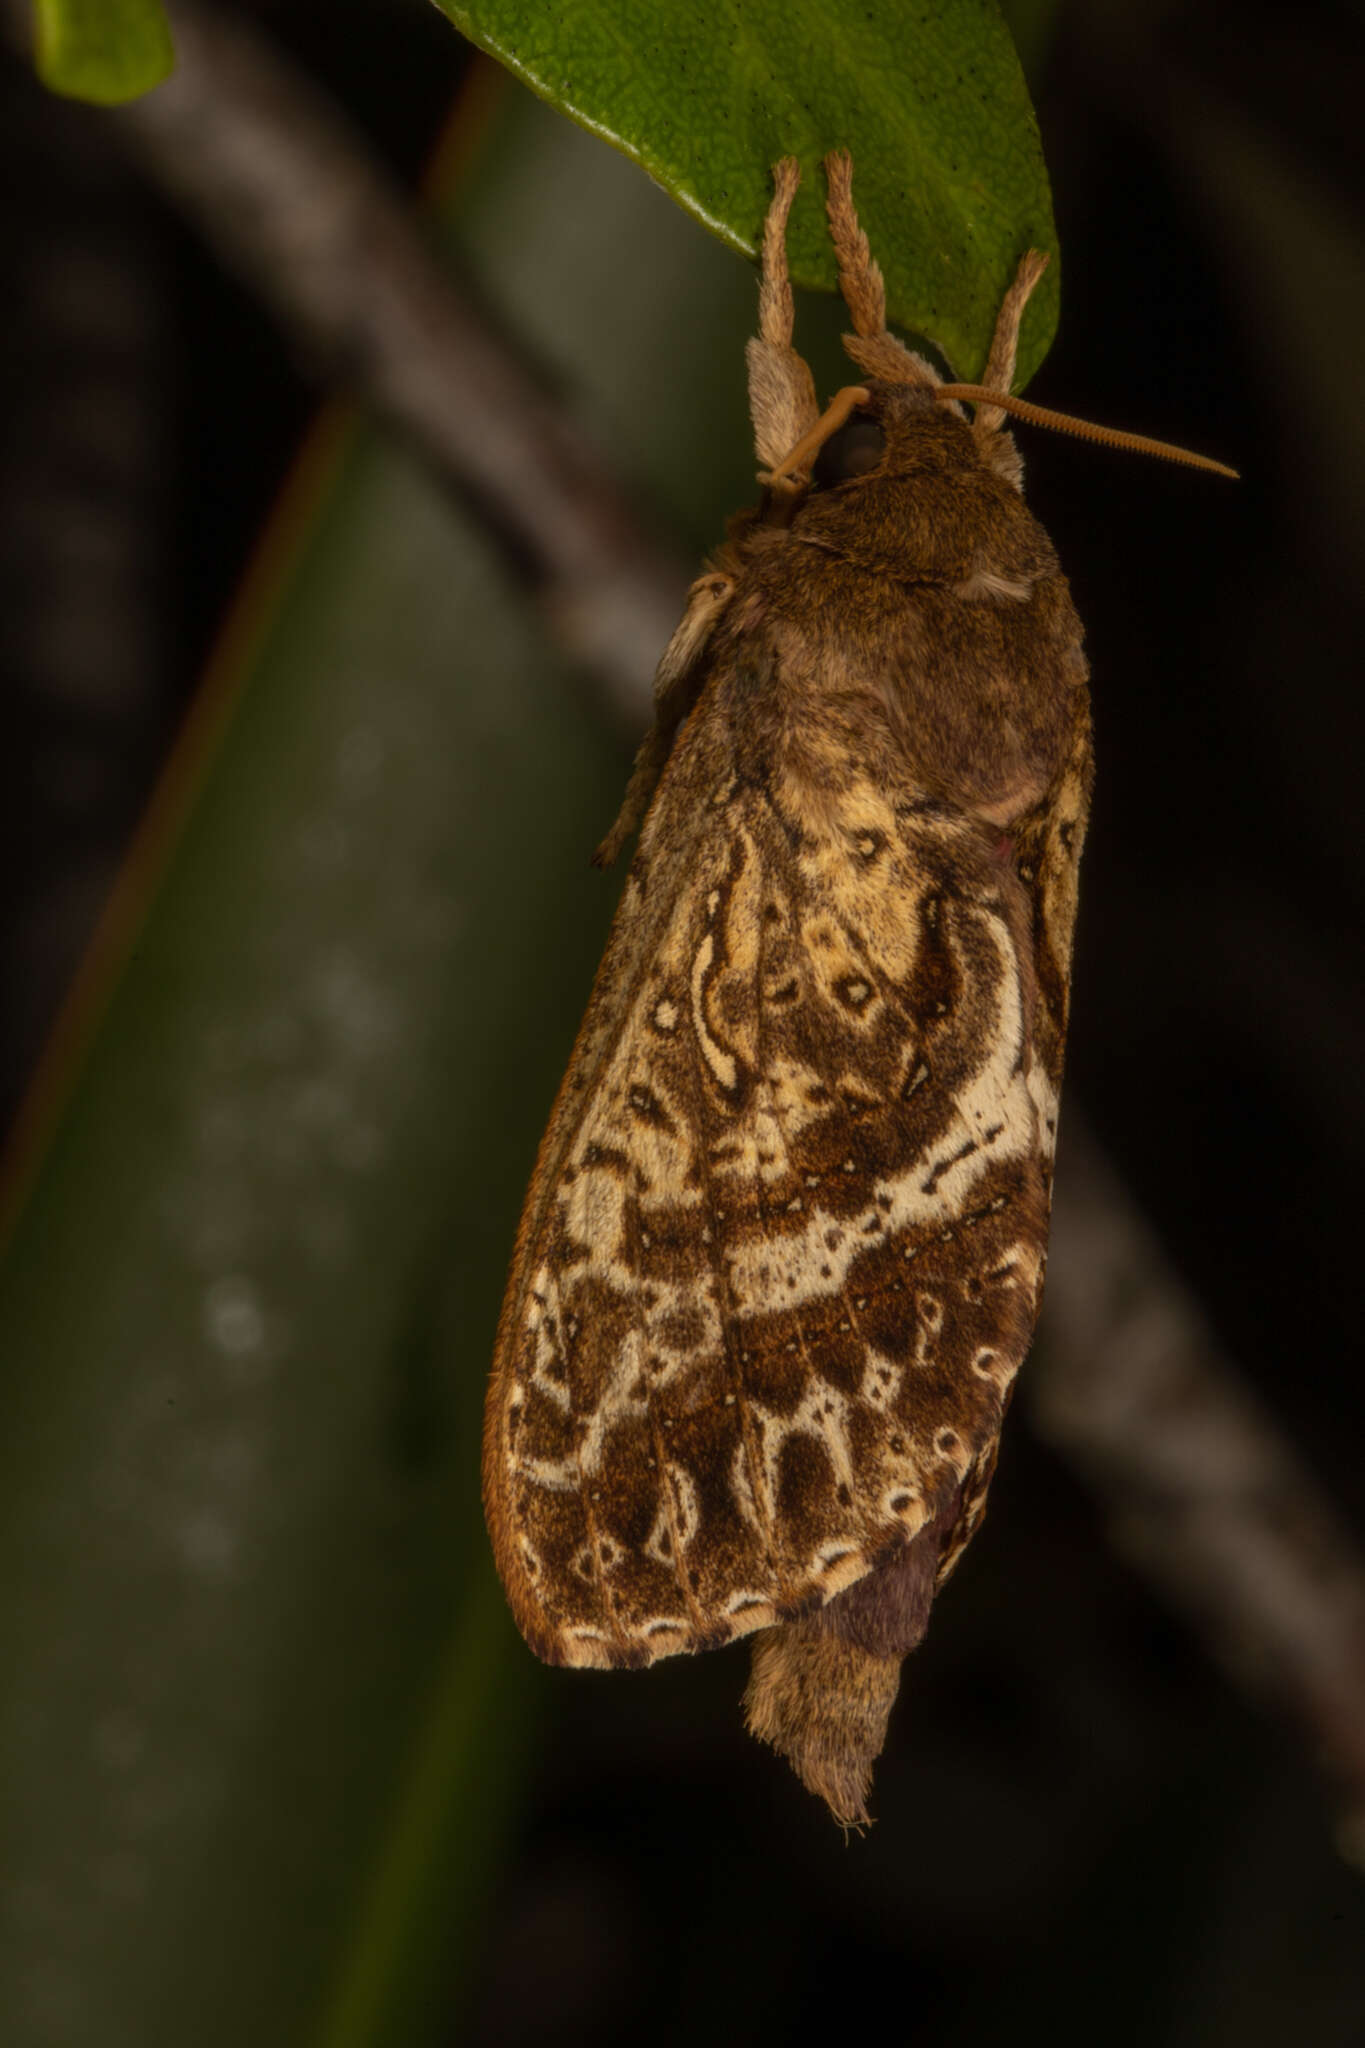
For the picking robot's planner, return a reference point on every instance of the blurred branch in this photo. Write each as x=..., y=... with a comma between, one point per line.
x=1199, y=1487
x=292, y=200
x=1202, y=1491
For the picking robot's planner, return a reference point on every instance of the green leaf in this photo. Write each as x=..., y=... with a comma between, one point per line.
x=1033, y=26
x=103, y=50
x=248, y=1303
x=707, y=94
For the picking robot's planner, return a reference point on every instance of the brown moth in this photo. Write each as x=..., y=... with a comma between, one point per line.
x=782, y=1255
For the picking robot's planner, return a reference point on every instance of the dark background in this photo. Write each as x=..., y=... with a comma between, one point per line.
x=1083, y=1826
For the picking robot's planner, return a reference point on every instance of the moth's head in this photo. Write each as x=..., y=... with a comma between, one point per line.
x=894, y=430
x=911, y=423
x=896, y=425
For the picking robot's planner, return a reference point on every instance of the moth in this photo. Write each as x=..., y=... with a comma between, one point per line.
x=783, y=1250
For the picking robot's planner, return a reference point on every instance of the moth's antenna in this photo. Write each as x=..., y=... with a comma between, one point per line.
x=1112, y=437
x=831, y=419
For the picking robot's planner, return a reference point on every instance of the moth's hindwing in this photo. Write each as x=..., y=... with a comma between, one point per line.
x=781, y=1257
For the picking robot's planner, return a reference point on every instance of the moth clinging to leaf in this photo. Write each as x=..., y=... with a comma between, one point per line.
x=782, y=1253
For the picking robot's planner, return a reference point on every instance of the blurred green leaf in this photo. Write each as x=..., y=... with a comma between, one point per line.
x=239, y=1473
x=424, y=1905
x=707, y=94
x=102, y=50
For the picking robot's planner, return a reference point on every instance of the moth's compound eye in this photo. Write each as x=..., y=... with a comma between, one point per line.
x=856, y=448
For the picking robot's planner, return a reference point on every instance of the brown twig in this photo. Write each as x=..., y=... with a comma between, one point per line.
x=1201, y=1489
x=291, y=199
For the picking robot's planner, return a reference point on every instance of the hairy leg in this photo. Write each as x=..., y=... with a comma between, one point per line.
x=781, y=390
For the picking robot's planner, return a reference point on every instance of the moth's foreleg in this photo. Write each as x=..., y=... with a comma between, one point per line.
x=999, y=371
x=877, y=353
x=676, y=682
x=781, y=388
x=860, y=278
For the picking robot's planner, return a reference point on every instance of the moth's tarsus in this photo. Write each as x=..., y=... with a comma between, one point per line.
x=783, y=1249
x=998, y=375
x=776, y=307
x=860, y=277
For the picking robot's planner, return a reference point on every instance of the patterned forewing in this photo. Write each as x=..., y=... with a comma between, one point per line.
x=781, y=1258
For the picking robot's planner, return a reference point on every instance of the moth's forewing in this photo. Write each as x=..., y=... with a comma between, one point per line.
x=781, y=1257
